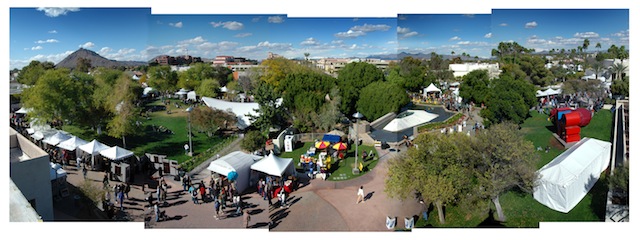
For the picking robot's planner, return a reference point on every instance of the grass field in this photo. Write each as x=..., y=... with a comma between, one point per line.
x=521, y=209
x=149, y=141
x=343, y=172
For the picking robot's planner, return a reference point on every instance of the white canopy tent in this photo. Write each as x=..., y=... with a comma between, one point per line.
x=94, y=147
x=238, y=162
x=274, y=165
x=191, y=95
x=568, y=178
x=56, y=138
x=23, y=110
x=409, y=119
x=548, y=92
x=35, y=128
x=72, y=143
x=39, y=135
x=431, y=88
x=116, y=153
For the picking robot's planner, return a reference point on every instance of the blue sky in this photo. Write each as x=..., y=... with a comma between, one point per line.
x=444, y=33
x=545, y=29
x=50, y=34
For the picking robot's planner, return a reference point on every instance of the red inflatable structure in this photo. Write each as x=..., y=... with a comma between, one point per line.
x=568, y=122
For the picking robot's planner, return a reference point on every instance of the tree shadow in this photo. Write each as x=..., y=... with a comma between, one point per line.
x=490, y=222
x=598, y=189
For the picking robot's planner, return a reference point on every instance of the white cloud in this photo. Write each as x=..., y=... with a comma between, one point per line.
x=371, y=27
x=405, y=32
x=87, y=45
x=231, y=25
x=104, y=51
x=350, y=34
x=242, y=35
x=488, y=35
x=55, y=12
x=195, y=40
x=310, y=42
x=53, y=31
x=275, y=19
x=256, y=19
x=353, y=46
x=36, y=48
x=177, y=25
x=46, y=41
x=586, y=35
x=409, y=34
x=392, y=42
x=337, y=42
x=503, y=24
x=456, y=38
x=402, y=30
x=464, y=43
x=531, y=24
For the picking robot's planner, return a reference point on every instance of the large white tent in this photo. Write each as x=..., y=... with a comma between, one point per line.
x=409, y=119
x=548, y=92
x=431, y=88
x=191, y=95
x=116, y=153
x=568, y=178
x=238, y=162
x=39, y=135
x=56, y=138
x=72, y=143
x=274, y=165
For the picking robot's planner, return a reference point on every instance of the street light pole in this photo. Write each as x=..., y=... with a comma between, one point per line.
x=355, y=169
x=190, y=145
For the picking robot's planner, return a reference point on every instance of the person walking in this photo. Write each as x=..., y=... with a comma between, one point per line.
x=203, y=192
x=105, y=182
x=246, y=218
x=127, y=189
x=84, y=172
x=216, y=208
x=360, y=195
x=283, y=198
x=186, y=148
x=156, y=210
x=121, y=198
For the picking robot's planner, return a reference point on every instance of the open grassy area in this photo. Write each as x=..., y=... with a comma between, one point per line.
x=521, y=209
x=343, y=170
x=148, y=140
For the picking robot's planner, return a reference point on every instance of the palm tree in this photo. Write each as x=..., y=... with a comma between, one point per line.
x=618, y=69
x=598, y=46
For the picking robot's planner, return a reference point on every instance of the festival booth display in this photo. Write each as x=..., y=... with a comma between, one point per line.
x=236, y=164
x=72, y=143
x=191, y=95
x=93, y=148
x=119, y=168
x=54, y=139
x=168, y=167
x=568, y=178
x=182, y=93
x=275, y=166
x=431, y=89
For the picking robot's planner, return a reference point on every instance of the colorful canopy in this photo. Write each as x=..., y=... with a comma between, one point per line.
x=322, y=144
x=340, y=146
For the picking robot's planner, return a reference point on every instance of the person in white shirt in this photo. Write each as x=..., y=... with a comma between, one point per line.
x=360, y=195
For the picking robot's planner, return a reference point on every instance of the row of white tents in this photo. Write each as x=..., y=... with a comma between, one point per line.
x=68, y=142
x=243, y=163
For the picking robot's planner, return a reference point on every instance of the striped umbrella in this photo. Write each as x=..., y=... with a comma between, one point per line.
x=340, y=146
x=322, y=144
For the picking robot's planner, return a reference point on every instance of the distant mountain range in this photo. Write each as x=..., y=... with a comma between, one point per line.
x=402, y=55
x=71, y=61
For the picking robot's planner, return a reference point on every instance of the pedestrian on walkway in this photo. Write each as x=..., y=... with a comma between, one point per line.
x=156, y=210
x=185, y=182
x=203, y=192
x=127, y=189
x=194, y=195
x=360, y=195
x=105, y=181
x=84, y=172
x=120, y=198
x=283, y=198
x=246, y=218
x=78, y=162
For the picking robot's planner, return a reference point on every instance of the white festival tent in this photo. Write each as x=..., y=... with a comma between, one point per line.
x=72, y=143
x=35, y=128
x=409, y=119
x=191, y=95
x=431, y=88
x=116, y=153
x=238, y=162
x=568, y=178
x=548, y=92
x=274, y=165
x=39, y=135
x=94, y=147
x=56, y=138
x=23, y=110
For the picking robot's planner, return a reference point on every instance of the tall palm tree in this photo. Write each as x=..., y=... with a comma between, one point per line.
x=618, y=69
x=598, y=46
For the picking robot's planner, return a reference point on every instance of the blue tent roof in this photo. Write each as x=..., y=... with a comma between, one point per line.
x=331, y=138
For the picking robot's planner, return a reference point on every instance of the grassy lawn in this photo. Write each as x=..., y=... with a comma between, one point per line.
x=150, y=141
x=343, y=170
x=521, y=209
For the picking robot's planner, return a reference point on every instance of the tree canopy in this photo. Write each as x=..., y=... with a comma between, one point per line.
x=510, y=100
x=30, y=74
x=270, y=113
x=475, y=86
x=380, y=98
x=208, y=120
x=162, y=78
x=354, y=77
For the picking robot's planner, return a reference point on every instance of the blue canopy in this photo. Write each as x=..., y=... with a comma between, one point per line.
x=331, y=138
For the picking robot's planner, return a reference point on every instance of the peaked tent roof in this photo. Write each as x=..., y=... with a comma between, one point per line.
x=39, y=135
x=56, y=138
x=232, y=162
x=411, y=119
x=115, y=153
x=23, y=110
x=432, y=88
x=273, y=165
x=93, y=147
x=72, y=143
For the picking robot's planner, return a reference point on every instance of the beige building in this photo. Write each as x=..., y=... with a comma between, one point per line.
x=30, y=171
x=461, y=69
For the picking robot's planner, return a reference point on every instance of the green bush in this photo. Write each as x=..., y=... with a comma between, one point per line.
x=447, y=123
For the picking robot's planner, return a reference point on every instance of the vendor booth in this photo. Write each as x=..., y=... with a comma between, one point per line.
x=568, y=178
x=93, y=148
x=275, y=166
x=238, y=164
x=119, y=168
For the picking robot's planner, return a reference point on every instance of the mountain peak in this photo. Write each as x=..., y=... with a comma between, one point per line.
x=95, y=59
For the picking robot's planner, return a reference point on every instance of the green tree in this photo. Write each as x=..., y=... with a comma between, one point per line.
x=438, y=169
x=253, y=141
x=208, y=88
x=83, y=65
x=413, y=73
x=620, y=87
x=208, y=120
x=125, y=112
x=305, y=90
x=330, y=112
x=380, y=98
x=29, y=74
x=276, y=69
x=619, y=181
x=510, y=100
x=354, y=77
x=618, y=69
x=475, y=86
x=163, y=79
x=503, y=160
x=270, y=113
